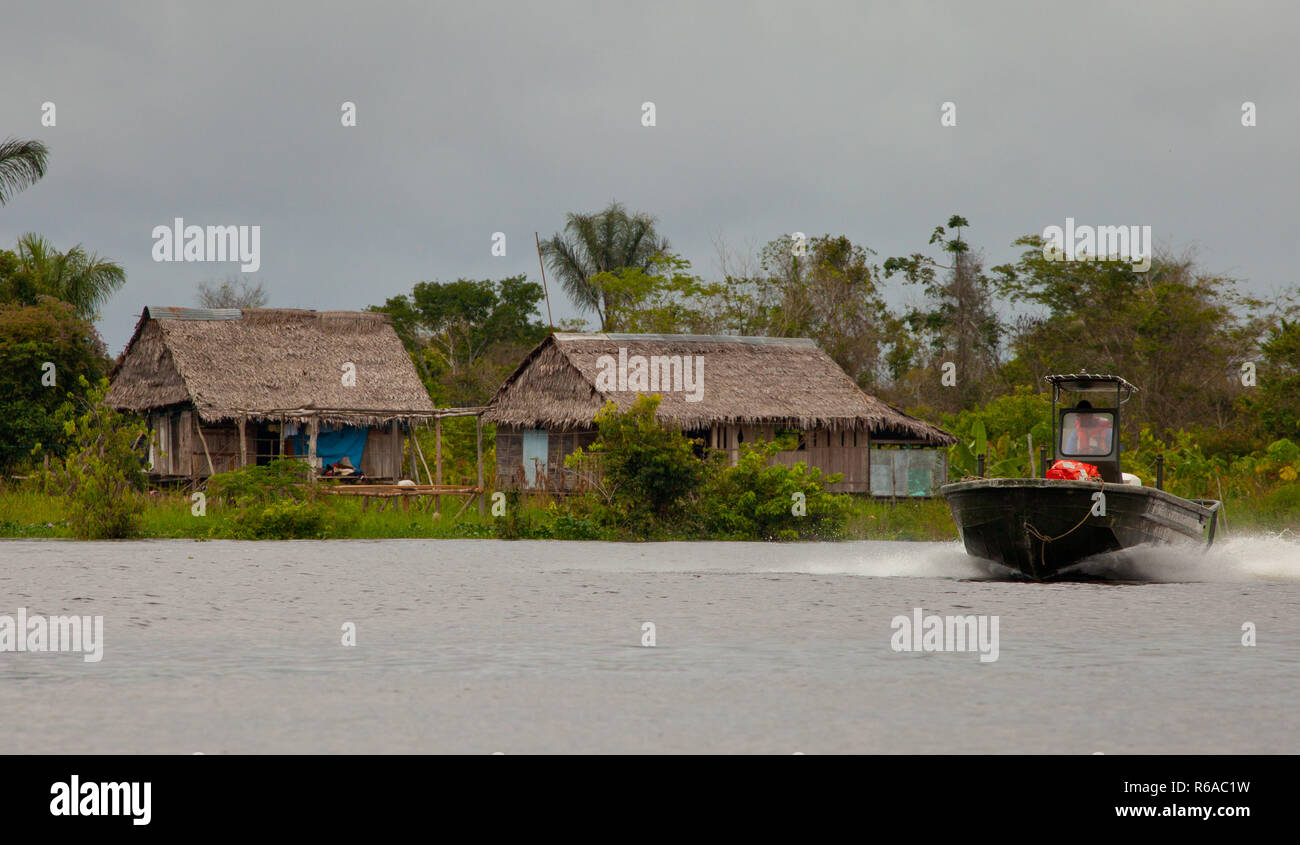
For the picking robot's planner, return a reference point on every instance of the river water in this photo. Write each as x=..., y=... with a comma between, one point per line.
x=482, y=646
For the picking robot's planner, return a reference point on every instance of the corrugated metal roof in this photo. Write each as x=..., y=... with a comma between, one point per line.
x=169, y=312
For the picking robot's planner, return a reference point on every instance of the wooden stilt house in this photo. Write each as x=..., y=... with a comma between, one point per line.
x=723, y=390
x=224, y=388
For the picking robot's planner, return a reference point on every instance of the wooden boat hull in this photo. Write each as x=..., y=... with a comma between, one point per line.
x=1005, y=520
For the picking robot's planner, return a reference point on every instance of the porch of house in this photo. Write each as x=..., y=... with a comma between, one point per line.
x=182, y=446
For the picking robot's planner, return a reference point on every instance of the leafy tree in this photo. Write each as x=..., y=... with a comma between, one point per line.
x=466, y=336
x=39, y=344
x=282, y=478
x=593, y=244
x=959, y=325
x=77, y=277
x=1174, y=331
x=1276, y=399
x=829, y=294
x=22, y=163
x=232, y=293
x=665, y=298
x=272, y=502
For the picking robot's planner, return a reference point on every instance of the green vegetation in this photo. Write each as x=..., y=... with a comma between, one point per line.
x=605, y=242
x=26, y=511
x=49, y=349
x=36, y=269
x=1219, y=374
x=47, y=354
x=273, y=502
x=100, y=478
x=648, y=470
x=466, y=336
x=654, y=485
x=22, y=163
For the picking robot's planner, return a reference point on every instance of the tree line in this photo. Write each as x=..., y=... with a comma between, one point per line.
x=1211, y=361
x=1208, y=358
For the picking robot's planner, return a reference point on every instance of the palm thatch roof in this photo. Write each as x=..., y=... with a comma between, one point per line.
x=268, y=363
x=789, y=382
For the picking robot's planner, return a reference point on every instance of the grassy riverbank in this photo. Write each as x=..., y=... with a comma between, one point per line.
x=25, y=512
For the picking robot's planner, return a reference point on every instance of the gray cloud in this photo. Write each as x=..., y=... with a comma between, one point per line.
x=820, y=117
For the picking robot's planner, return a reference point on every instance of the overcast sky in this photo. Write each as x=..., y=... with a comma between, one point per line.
x=771, y=118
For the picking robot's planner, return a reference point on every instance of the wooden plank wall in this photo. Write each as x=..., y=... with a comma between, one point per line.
x=830, y=450
x=559, y=445
x=382, y=457
x=223, y=446
x=835, y=451
x=510, y=454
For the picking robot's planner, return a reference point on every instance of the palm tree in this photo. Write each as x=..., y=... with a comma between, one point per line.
x=21, y=164
x=595, y=243
x=82, y=279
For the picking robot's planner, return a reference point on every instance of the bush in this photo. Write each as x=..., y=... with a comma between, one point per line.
x=283, y=520
x=274, y=502
x=519, y=522
x=281, y=478
x=998, y=430
x=646, y=469
x=570, y=525
x=758, y=500
x=101, y=477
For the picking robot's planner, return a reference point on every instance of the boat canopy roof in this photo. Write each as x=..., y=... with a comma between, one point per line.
x=1091, y=383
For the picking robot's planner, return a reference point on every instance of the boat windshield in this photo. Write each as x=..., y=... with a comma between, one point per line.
x=1087, y=433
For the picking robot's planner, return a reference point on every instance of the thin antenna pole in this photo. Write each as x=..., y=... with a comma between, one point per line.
x=537, y=238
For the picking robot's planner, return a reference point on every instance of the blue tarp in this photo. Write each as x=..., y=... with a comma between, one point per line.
x=333, y=442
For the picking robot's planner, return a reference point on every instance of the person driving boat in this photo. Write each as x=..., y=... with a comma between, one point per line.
x=1091, y=433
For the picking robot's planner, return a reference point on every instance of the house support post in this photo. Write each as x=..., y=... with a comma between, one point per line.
x=198, y=427
x=311, y=446
x=478, y=425
x=437, y=464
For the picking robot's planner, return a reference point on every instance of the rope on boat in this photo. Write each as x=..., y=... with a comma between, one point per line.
x=1042, y=549
x=1040, y=535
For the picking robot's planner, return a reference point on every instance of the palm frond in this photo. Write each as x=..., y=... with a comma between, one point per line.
x=606, y=241
x=572, y=271
x=85, y=280
x=21, y=164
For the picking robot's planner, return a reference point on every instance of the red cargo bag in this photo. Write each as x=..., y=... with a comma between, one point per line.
x=1074, y=471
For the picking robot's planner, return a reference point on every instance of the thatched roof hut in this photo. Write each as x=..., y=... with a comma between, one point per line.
x=740, y=390
x=224, y=388
x=268, y=364
x=787, y=382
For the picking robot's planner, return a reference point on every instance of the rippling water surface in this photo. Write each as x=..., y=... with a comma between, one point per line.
x=483, y=646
